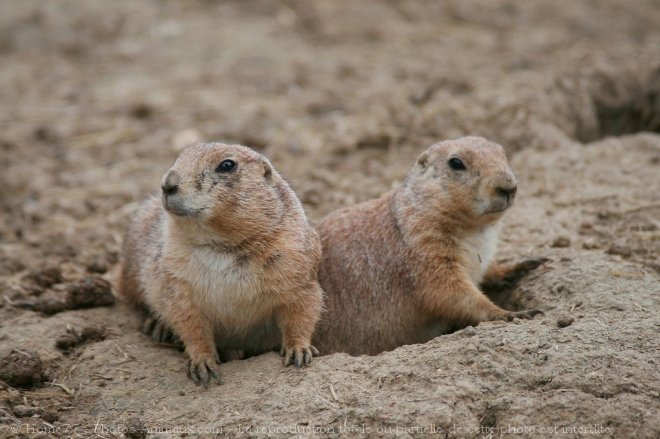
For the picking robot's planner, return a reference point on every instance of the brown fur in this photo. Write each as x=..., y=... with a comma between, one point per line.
x=406, y=267
x=227, y=263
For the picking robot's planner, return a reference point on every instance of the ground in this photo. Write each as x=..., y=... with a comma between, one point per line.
x=98, y=98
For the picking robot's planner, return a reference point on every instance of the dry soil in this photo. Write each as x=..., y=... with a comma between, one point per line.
x=98, y=97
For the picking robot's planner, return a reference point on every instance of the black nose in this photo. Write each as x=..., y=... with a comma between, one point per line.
x=507, y=192
x=169, y=189
x=170, y=184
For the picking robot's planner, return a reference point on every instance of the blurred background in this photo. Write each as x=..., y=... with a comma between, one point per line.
x=98, y=97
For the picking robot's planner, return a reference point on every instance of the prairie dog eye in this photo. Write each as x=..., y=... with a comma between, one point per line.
x=226, y=166
x=456, y=164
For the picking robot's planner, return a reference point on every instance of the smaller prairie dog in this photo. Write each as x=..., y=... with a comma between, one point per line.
x=406, y=267
x=225, y=261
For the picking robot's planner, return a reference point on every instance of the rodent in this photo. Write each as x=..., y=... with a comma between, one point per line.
x=224, y=260
x=406, y=267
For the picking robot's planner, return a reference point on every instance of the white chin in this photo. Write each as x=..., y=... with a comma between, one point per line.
x=494, y=209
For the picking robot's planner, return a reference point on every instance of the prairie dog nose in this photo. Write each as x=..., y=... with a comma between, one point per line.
x=507, y=192
x=170, y=183
x=507, y=187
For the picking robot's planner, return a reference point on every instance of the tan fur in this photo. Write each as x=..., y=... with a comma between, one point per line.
x=406, y=267
x=227, y=263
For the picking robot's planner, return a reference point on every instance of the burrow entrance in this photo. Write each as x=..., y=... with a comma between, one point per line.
x=621, y=104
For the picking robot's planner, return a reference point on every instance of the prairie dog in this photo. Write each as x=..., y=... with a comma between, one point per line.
x=224, y=260
x=406, y=267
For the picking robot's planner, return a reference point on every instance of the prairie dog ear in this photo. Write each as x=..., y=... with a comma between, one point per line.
x=423, y=159
x=268, y=171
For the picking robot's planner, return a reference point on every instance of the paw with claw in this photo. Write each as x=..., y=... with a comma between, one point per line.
x=527, y=314
x=298, y=355
x=502, y=279
x=203, y=369
x=523, y=268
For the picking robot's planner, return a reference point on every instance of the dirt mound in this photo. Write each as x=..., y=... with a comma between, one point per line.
x=21, y=369
x=341, y=96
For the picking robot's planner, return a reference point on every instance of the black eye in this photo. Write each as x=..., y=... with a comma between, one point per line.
x=456, y=164
x=226, y=166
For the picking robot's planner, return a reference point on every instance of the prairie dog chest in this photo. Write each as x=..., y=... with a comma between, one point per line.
x=478, y=250
x=230, y=290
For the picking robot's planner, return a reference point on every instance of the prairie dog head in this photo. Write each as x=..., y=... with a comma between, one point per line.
x=230, y=190
x=468, y=178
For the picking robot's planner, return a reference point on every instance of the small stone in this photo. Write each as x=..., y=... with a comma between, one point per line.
x=90, y=292
x=590, y=244
x=469, y=331
x=585, y=227
x=565, y=321
x=141, y=111
x=50, y=416
x=23, y=411
x=561, y=242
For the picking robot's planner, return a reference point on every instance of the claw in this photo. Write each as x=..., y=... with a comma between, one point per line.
x=201, y=371
x=529, y=314
x=523, y=268
x=215, y=374
x=288, y=359
x=299, y=356
x=532, y=264
x=510, y=315
x=159, y=331
x=190, y=369
x=307, y=357
x=148, y=325
x=203, y=374
x=157, y=334
x=169, y=337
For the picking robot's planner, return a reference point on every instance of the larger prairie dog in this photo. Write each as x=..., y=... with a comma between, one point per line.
x=225, y=259
x=406, y=267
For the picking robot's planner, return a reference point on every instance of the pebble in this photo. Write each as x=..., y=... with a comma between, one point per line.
x=23, y=411
x=565, y=321
x=561, y=242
